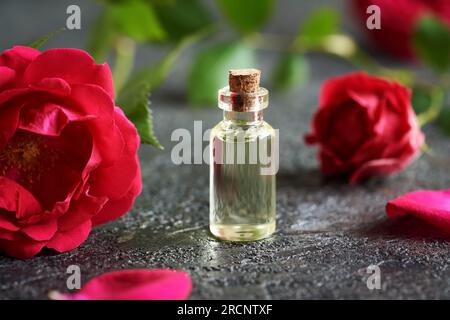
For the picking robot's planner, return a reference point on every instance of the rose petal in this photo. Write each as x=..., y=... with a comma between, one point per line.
x=9, y=120
x=9, y=235
x=368, y=100
x=114, y=209
x=18, y=58
x=124, y=169
x=350, y=124
x=6, y=223
x=46, y=119
x=330, y=164
x=338, y=89
x=136, y=284
x=374, y=168
x=41, y=231
x=430, y=206
x=405, y=153
x=7, y=75
x=115, y=181
x=407, y=146
x=21, y=248
x=68, y=240
x=15, y=198
x=128, y=130
x=85, y=98
x=7, y=95
x=73, y=65
x=54, y=86
x=80, y=211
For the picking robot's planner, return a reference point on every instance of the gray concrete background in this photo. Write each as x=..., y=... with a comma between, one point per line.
x=328, y=232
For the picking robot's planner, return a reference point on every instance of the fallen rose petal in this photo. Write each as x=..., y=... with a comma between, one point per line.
x=134, y=284
x=430, y=206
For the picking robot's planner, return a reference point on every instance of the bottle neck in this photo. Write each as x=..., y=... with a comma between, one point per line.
x=243, y=118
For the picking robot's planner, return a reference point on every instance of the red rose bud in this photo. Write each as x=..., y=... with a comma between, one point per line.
x=365, y=126
x=398, y=20
x=68, y=155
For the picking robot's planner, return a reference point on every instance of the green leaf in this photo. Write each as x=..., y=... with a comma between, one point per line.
x=435, y=97
x=421, y=99
x=136, y=108
x=136, y=19
x=134, y=95
x=291, y=70
x=135, y=103
x=432, y=42
x=181, y=18
x=247, y=15
x=153, y=75
x=444, y=120
x=101, y=36
x=209, y=71
x=321, y=23
x=40, y=42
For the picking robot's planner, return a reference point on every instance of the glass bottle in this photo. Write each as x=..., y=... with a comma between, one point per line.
x=242, y=173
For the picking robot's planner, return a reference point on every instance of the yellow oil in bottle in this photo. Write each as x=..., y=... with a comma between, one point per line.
x=242, y=199
x=242, y=188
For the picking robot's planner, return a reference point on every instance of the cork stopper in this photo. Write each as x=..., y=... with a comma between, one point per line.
x=244, y=84
x=244, y=80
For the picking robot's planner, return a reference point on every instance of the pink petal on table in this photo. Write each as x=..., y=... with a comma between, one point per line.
x=134, y=284
x=430, y=206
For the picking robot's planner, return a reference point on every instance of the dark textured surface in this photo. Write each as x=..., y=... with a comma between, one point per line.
x=328, y=232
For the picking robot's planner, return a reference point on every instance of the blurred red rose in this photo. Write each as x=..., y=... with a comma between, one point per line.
x=398, y=19
x=68, y=156
x=365, y=126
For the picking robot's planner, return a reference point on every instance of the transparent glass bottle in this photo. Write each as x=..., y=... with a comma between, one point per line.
x=242, y=193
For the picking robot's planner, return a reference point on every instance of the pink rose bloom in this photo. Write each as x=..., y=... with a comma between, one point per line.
x=68, y=155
